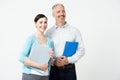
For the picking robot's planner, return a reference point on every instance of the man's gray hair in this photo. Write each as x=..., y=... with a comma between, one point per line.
x=58, y=4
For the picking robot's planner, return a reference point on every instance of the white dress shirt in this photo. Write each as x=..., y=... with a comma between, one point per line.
x=60, y=35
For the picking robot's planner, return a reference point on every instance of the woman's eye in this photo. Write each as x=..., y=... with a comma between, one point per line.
x=40, y=22
x=45, y=22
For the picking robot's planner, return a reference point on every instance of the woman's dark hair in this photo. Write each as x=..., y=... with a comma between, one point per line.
x=39, y=16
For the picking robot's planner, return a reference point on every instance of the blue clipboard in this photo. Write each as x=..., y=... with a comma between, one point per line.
x=70, y=48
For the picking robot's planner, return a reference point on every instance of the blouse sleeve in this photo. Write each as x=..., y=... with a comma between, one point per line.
x=51, y=43
x=26, y=49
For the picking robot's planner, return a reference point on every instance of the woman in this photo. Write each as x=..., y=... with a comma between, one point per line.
x=28, y=72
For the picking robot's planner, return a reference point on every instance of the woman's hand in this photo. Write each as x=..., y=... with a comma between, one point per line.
x=51, y=56
x=43, y=67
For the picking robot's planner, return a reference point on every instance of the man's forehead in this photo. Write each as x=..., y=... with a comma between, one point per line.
x=59, y=7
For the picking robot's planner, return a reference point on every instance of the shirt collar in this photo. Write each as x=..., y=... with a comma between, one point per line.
x=64, y=26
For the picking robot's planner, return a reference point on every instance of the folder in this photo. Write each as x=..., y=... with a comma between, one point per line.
x=70, y=48
x=39, y=54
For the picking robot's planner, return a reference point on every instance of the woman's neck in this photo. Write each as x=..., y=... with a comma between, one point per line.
x=40, y=37
x=39, y=34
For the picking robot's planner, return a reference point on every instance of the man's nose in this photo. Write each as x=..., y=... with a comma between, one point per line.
x=61, y=13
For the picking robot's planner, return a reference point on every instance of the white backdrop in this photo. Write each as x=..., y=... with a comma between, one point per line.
x=98, y=21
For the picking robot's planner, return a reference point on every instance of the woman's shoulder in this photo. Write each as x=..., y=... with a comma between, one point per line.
x=49, y=39
x=31, y=38
x=50, y=43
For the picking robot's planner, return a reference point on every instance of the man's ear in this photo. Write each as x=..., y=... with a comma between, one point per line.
x=52, y=14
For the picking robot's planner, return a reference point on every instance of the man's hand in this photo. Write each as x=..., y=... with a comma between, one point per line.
x=61, y=61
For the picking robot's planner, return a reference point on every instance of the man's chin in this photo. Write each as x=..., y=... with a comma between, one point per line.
x=62, y=21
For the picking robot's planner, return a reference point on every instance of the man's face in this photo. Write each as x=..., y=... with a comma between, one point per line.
x=59, y=13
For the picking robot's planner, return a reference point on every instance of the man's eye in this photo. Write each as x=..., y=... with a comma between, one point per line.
x=58, y=11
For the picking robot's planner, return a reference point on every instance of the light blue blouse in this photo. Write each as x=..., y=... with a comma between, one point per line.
x=26, y=51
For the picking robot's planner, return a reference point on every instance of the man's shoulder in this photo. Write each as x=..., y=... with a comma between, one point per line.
x=50, y=30
x=73, y=28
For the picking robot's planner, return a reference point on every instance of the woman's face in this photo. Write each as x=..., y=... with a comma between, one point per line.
x=41, y=24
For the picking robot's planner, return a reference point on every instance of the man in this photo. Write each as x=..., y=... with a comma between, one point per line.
x=64, y=67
